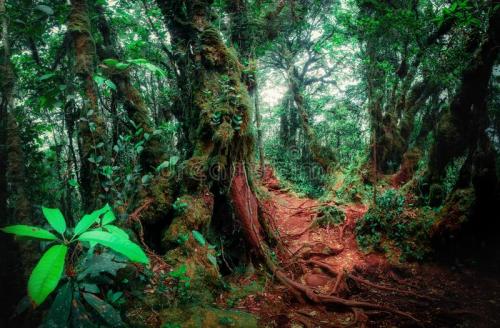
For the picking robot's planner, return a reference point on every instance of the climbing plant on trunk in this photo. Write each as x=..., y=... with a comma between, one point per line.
x=91, y=125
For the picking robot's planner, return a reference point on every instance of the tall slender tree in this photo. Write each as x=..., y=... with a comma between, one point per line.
x=91, y=125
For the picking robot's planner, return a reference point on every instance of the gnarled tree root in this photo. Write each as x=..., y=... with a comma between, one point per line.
x=309, y=294
x=246, y=208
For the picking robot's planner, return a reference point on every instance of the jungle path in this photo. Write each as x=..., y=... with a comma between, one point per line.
x=328, y=261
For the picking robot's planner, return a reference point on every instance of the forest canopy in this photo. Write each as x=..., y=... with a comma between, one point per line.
x=249, y=163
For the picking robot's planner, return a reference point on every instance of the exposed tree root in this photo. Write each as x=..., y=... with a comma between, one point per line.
x=306, y=292
x=317, y=249
x=246, y=205
x=389, y=289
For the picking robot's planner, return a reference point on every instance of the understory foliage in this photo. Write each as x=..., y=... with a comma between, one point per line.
x=80, y=277
x=397, y=227
x=293, y=166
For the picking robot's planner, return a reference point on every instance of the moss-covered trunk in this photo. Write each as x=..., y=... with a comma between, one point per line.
x=91, y=126
x=129, y=95
x=243, y=38
x=217, y=109
x=461, y=131
x=321, y=154
x=463, y=125
x=6, y=86
x=15, y=207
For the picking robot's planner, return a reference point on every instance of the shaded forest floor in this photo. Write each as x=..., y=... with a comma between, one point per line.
x=328, y=260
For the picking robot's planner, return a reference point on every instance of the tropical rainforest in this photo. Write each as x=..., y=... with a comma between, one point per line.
x=249, y=163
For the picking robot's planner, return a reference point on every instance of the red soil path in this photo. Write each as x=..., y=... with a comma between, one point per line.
x=328, y=261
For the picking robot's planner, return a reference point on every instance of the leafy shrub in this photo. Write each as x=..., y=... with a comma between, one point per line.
x=452, y=174
x=348, y=184
x=330, y=216
x=77, y=276
x=391, y=224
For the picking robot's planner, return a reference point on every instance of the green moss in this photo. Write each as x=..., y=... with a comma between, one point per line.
x=201, y=279
x=207, y=317
x=196, y=216
x=159, y=190
x=238, y=292
x=224, y=134
x=455, y=212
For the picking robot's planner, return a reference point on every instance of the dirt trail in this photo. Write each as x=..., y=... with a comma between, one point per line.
x=294, y=219
x=327, y=260
x=333, y=245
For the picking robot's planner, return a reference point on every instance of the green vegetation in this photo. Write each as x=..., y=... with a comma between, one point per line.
x=92, y=232
x=394, y=225
x=219, y=130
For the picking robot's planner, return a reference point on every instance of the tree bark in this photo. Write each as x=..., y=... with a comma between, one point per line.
x=217, y=109
x=258, y=124
x=92, y=127
x=321, y=154
x=463, y=125
x=6, y=86
x=153, y=153
x=243, y=38
x=132, y=100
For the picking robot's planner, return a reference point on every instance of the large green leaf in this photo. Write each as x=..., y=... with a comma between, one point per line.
x=116, y=231
x=105, y=310
x=45, y=9
x=116, y=243
x=106, y=208
x=199, y=237
x=47, y=273
x=29, y=231
x=108, y=217
x=58, y=315
x=89, y=219
x=111, y=62
x=55, y=218
x=86, y=222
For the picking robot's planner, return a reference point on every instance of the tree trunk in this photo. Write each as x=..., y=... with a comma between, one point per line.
x=218, y=110
x=132, y=100
x=15, y=259
x=321, y=154
x=463, y=125
x=6, y=86
x=258, y=125
x=92, y=128
x=242, y=36
x=153, y=153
